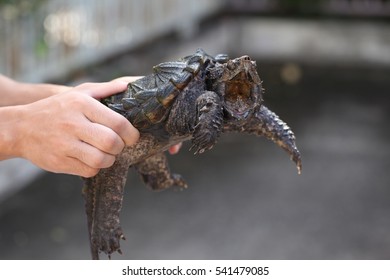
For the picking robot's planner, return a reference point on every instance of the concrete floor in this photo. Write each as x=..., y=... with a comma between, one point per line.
x=245, y=199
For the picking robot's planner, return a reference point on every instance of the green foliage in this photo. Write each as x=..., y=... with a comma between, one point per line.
x=20, y=7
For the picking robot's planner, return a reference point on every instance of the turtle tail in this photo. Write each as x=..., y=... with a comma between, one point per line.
x=266, y=123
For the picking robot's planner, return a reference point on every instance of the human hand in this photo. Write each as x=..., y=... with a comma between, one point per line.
x=128, y=79
x=72, y=132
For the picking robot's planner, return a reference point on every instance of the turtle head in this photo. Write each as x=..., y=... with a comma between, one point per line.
x=240, y=86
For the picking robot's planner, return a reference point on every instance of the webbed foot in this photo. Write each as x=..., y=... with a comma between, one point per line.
x=106, y=241
x=103, y=196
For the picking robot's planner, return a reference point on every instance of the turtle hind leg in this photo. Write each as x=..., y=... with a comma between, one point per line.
x=156, y=174
x=103, y=196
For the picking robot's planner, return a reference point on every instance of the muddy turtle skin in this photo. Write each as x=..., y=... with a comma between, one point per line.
x=195, y=98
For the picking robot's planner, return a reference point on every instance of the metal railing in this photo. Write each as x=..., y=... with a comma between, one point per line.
x=61, y=35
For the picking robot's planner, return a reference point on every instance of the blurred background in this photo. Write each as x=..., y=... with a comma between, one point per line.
x=325, y=65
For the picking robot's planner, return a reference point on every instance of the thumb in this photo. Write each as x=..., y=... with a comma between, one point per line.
x=102, y=90
x=128, y=79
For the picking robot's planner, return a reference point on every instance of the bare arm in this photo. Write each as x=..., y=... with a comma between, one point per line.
x=69, y=132
x=16, y=93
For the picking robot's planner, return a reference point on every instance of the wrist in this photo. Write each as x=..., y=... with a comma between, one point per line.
x=10, y=132
x=18, y=93
x=29, y=93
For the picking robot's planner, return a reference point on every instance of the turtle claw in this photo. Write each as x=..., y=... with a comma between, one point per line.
x=107, y=242
x=203, y=139
x=201, y=150
x=179, y=182
x=296, y=158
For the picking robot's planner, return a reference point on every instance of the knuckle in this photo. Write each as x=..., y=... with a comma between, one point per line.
x=68, y=125
x=120, y=124
x=128, y=133
x=98, y=160
x=102, y=160
x=78, y=100
x=112, y=144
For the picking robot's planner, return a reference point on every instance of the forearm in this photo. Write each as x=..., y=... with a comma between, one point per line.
x=16, y=93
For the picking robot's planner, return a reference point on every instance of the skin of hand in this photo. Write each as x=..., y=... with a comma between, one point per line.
x=70, y=132
x=175, y=149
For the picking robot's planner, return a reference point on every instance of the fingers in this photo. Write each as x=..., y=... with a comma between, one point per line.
x=98, y=113
x=102, y=90
x=103, y=133
x=104, y=116
x=102, y=138
x=175, y=149
x=84, y=160
x=128, y=79
x=74, y=166
x=91, y=156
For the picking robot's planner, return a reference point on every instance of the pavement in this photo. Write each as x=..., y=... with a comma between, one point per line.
x=246, y=200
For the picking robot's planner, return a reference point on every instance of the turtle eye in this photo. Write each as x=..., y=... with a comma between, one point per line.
x=221, y=58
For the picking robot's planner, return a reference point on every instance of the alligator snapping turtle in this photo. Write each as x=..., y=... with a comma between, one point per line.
x=195, y=98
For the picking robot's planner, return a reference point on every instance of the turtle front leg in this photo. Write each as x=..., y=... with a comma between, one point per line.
x=155, y=173
x=209, y=121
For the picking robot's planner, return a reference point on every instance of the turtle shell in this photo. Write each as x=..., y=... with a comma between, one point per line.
x=147, y=101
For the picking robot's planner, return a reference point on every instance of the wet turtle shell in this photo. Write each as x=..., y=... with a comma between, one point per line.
x=147, y=102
